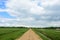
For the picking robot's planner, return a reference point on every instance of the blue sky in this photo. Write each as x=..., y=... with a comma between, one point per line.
x=3, y=7
x=2, y=4
x=35, y=13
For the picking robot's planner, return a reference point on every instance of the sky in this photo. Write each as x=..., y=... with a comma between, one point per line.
x=30, y=13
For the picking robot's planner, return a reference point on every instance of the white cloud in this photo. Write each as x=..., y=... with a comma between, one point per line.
x=37, y=10
x=21, y=5
x=29, y=13
x=26, y=22
x=3, y=10
x=46, y=3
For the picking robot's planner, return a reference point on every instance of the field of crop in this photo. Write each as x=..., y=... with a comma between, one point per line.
x=48, y=34
x=11, y=33
x=14, y=33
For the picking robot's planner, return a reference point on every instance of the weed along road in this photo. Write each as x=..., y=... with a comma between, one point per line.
x=29, y=35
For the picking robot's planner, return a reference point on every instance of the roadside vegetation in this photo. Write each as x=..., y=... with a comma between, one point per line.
x=48, y=33
x=11, y=33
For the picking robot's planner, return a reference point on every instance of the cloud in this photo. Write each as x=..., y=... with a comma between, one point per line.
x=25, y=6
x=33, y=13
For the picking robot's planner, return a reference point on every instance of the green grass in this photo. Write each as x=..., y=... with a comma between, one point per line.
x=50, y=33
x=11, y=33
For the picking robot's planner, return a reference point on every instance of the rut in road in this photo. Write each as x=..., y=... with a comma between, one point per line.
x=29, y=35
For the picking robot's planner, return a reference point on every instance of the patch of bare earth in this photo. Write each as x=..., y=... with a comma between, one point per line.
x=29, y=35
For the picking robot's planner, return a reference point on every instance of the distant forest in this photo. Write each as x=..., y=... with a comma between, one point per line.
x=30, y=27
x=52, y=28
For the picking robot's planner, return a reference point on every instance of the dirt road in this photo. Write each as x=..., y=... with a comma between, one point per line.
x=29, y=35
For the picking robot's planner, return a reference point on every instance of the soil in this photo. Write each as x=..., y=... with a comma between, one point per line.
x=30, y=35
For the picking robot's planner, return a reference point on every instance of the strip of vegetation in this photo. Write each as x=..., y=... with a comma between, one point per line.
x=10, y=31
x=41, y=35
x=53, y=34
x=12, y=34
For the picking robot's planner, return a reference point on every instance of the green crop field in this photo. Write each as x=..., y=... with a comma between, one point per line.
x=11, y=33
x=48, y=34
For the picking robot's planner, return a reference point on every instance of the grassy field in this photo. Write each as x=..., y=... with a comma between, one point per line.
x=48, y=34
x=11, y=33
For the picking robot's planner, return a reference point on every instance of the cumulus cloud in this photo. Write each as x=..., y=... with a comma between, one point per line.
x=33, y=12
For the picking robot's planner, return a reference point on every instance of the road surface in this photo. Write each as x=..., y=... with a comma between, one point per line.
x=29, y=35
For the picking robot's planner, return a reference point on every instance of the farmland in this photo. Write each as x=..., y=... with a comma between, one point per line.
x=48, y=34
x=11, y=33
